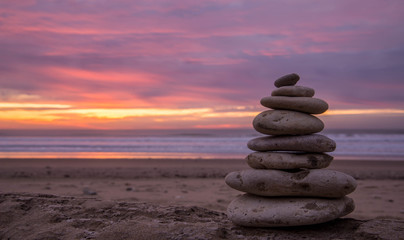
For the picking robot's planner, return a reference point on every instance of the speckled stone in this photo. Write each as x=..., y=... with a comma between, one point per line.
x=278, y=160
x=302, y=183
x=293, y=91
x=301, y=104
x=315, y=143
x=284, y=122
x=254, y=211
x=287, y=80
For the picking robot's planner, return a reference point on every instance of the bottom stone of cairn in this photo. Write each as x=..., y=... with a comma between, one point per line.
x=256, y=211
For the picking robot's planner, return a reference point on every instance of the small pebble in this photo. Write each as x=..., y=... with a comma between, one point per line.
x=88, y=191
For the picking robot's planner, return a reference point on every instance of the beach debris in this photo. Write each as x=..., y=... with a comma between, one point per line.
x=89, y=191
x=287, y=184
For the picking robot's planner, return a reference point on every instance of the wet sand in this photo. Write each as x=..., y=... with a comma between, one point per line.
x=169, y=184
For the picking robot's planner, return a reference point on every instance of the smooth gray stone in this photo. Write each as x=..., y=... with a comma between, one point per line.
x=301, y=104
x=293, y=91
x=303, y=183
x=287, y=80
x=302, y=143
x=254, y=211
x=278, y=160
x=285, y=122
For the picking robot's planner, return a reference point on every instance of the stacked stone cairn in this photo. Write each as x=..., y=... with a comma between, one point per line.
x=288, y=185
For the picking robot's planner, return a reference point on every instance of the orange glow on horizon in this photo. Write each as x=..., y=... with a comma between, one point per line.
x=363, y=111
x=33, y=105
x=21, y=115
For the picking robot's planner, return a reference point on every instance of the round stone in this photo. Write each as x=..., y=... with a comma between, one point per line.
x=302, y=183
x=284, y=122
x=301, y=104
x=293, y=91
x=254, y=211
x=278, y=160
x=304, y=143
x=287, y=80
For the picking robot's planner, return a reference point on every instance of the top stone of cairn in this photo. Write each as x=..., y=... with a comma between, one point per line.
x=287, y=80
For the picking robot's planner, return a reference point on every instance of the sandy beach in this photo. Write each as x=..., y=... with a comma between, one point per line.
x=170, y=194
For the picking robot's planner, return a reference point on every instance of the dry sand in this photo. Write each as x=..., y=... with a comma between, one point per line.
x=172, y=199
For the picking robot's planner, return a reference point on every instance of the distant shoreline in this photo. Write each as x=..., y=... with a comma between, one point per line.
x=190, y=168
x=360, y=144
x=157, y=156
x=165, y=132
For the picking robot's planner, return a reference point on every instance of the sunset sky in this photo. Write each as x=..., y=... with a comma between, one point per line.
x=127, y=64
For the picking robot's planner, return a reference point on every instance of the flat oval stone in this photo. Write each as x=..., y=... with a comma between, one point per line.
x=254, y=211
x=303, y=183
x=287, y=80
x=278, y=160
x=293, y=91
x=304, y=143
x=284, y=122
x=301, y=104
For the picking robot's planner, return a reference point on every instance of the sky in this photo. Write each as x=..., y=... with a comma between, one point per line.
x=142, y=64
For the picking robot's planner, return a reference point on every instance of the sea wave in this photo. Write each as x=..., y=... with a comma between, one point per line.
x=223, y=143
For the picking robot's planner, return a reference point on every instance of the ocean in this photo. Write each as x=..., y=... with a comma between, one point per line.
x=180, y=143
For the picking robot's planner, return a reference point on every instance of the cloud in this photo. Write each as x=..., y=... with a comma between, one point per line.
x=199, y=54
